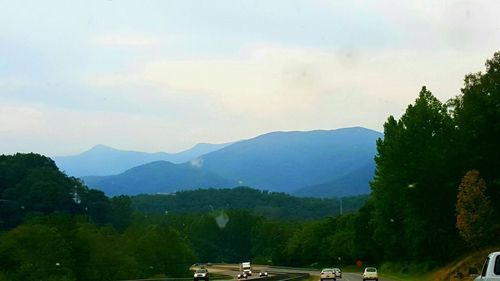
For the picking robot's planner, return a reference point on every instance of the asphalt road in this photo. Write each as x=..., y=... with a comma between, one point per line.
x=232, y=270
x=346, y=276
x=349, y=276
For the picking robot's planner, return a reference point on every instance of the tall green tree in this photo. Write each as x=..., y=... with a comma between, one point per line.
x=414, y=188
x=477, y=115
x=365, y=248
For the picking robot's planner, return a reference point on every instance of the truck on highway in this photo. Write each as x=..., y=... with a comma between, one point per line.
x=246, y=268
x=491, y=268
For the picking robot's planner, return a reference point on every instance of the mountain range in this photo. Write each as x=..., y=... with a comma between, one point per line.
x=321, y=163
x=158, y=177
x=287, y=161
x=102, y=160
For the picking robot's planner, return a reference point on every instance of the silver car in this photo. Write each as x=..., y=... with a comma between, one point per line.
x=201, y=274
x=327, y=274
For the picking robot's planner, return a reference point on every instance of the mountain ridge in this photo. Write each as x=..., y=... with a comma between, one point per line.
x=358, y=181
x=319, y=163
x=103, y=160
x=156, y=177
x=307, y=158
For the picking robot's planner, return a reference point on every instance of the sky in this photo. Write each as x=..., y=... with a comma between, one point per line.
x=164, y=75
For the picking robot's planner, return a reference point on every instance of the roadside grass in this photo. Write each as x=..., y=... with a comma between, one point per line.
x=406, y=272
x=407, y=276
x=458, y=270
x=460, y=267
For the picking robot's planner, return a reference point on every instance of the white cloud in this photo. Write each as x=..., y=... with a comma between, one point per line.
x=20, y=120
x=273, y=81
x=259, y=83
x=443, y=25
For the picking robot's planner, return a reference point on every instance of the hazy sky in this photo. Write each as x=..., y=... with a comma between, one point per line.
x=165, y=75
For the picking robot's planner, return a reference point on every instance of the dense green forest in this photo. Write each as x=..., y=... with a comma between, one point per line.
x=276, y=205
x=435, y=195
x=421, y=163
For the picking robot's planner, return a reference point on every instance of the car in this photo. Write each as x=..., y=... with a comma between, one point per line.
x=370, y=274
x=242, y=275
x=201, y=274
x=491, y=268
x=263, y=274
x=338, y=272
x=327, y=274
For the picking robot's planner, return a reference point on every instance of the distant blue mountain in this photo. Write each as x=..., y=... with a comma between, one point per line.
x=103, y=160
x=289, y=161
x=354, y=183
x=157, y=177
x=321, y=163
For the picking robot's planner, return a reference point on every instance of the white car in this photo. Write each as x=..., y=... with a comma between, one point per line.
x=201, y=274
x=338, y=272
x=370, y=274
x=327, y=273
x=491, y=268
x=242, y=275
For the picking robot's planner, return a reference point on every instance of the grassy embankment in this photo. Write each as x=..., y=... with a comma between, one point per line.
x=454, y=271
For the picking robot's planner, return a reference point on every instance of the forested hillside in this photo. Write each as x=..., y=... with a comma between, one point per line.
x=157, y=177
x=31, y=185
x=261, y=203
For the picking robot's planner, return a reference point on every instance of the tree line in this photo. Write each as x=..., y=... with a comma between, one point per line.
x=276, y=205
x=417, y=211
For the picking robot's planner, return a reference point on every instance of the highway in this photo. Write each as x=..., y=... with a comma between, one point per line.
x=233, y=270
